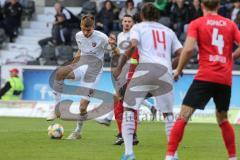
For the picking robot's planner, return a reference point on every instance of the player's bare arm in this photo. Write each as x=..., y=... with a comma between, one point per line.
x=175, y=60
x=236, y=53
x=76, y=57
x=124, y=57
x=185, y=56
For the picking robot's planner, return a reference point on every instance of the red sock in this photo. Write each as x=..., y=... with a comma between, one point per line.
x=176, y=136
x=118, y=113
x=229, y=138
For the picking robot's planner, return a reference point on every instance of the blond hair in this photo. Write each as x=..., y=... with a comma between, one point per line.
x=88, y=21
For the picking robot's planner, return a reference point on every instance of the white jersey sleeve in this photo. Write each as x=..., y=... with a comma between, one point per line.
x=176, y=44
x=119, y=41
x=104, y=41
x=77, y=38
x=135, y=34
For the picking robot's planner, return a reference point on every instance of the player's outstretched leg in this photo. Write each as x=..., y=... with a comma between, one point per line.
x=227, y=134
x=178, y=131
x=107, y=120
x=52, y=115
x=62, y=73
x=76, y=134
x=128, y=127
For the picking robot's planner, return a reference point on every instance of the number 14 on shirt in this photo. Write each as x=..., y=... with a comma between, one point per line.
x=159, y=38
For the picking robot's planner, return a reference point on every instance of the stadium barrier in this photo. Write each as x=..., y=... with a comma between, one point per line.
x=38, y=97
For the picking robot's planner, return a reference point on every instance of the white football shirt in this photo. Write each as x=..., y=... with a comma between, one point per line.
x=123, y=41
x=94, y=45
x=156, y=43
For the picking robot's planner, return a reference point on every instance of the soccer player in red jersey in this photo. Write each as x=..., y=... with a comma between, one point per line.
x=215, y=36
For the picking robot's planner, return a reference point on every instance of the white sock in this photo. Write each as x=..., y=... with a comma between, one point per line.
x=110, y=115
x=147, y=104
x=57, y=86
x=169, y=158
x=79, y=126
x=57, y=96
x=233, y=158
x=169, y=122
x=128, y=126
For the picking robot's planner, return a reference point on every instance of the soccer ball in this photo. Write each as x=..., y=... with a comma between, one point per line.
x=55, y=131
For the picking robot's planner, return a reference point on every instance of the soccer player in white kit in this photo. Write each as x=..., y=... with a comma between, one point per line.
x=87, y=67
x=124, y=38
x=156, y=43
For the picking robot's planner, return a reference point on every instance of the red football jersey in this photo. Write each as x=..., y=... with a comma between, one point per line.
x=215, y=37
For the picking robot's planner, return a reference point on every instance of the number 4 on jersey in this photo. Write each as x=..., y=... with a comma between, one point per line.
x=217, y=40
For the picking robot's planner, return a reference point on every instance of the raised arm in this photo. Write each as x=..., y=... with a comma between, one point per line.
x=124, y=57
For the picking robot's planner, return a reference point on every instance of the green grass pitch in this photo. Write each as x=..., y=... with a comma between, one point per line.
x=26, y=139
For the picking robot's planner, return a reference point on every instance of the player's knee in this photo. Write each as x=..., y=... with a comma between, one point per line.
x=186, y=113
x=221, y=116
x=182, y=117
x=64, y=73
x=59, y=75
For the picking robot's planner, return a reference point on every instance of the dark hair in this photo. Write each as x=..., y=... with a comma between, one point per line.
x=150, y=12
x=115, y=33
x=88, y=20
x=211, y=4
x=129, y=1
x=105, y=2
x=127, y=15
